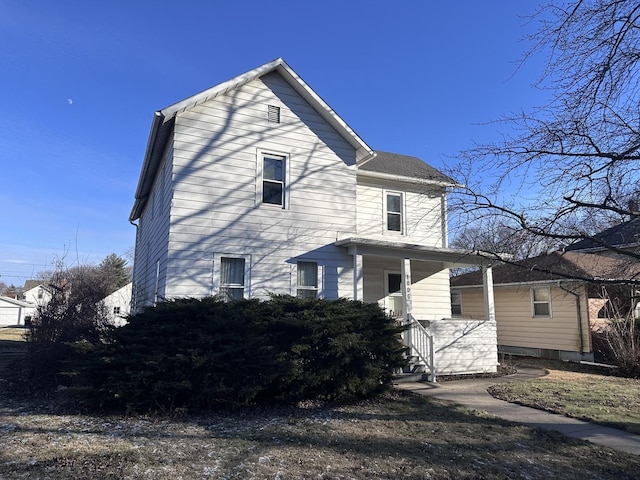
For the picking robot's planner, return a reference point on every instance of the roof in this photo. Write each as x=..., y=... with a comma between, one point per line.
x=162, y=124
x=17, y=303
x=404, y=167
x=557, y=266
x=623, y=234
x=451, y=257
x=29, y=284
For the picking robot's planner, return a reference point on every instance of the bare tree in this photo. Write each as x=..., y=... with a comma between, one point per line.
x=570, y=168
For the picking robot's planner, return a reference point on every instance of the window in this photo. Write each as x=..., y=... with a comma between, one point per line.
x=307, y=283
x=116, y=310
x=232, y=278
x=541, y=302
x=273, y=168
x=393, y=208
x=40, y=293
x=274, y=114
x=456, y=304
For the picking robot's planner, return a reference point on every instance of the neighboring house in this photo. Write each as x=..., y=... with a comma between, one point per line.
x=15, y=312
x=118, y=304
x=36, y=292
x=613, y=241
x=256, y=186
x=548, y=314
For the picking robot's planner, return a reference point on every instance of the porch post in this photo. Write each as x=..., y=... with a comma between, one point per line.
x=406, y=289
x=358, y=287
x=487, y=289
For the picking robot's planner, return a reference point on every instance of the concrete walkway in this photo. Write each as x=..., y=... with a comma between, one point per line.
x=473, y=394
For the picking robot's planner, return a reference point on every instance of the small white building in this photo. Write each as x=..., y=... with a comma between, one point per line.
x=118, y=304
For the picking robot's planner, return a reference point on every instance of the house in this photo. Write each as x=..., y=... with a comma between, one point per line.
x=256, y=186
x=548, y=305
x=36, y=292
x=15, y=312
x=118, y=304
x=614, y=241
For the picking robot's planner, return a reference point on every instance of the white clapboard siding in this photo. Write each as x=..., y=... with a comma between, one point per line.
x=423, y=222
x=215, y=208
x=152, y=238
x=464, y=346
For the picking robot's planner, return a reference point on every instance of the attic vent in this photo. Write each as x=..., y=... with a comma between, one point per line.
x=274, y=114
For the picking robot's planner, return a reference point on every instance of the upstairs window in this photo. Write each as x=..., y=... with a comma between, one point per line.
x=307, y=284
x=541, y=302
x=393, y=211
x=232, y=278
x=273, y=169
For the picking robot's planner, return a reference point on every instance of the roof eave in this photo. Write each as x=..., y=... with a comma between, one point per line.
x=402, y=178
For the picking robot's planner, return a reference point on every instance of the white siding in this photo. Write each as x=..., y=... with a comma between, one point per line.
x=215, y=209
x=430, y=286
x=152, y=238
x=423, y=212
x=464, y=346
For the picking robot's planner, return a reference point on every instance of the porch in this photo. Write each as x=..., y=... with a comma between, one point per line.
x=411, y=282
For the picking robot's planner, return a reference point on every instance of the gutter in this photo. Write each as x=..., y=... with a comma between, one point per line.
x=158, y=119
x=579, y=312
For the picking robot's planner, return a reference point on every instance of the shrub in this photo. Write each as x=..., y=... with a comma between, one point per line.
x=623, y=341
x=203, y=354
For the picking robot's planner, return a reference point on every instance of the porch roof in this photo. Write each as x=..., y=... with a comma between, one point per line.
x=450, y=257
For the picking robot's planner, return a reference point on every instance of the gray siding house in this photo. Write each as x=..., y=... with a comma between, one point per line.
x=256, y=186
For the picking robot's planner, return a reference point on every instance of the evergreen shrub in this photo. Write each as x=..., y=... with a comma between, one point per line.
x=201, y=354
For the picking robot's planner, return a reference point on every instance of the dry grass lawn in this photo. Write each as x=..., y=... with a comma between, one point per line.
x=399, y=436
x=579, y=392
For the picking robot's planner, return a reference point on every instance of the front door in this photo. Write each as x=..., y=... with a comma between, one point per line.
x=393, y=301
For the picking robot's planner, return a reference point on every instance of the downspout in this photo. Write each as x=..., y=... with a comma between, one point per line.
x=579, y=311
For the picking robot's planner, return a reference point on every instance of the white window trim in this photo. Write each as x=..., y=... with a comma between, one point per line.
x=215, y=281
x=260, y=153
x=294, y=277
x=403, y=212
x=533, y=311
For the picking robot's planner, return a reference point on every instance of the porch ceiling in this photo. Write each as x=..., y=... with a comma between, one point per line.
x=450, y=257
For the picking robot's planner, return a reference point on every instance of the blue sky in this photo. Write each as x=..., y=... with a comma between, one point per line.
x=81, y=80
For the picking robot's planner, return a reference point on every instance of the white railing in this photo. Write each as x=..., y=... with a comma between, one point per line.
x=420, y=342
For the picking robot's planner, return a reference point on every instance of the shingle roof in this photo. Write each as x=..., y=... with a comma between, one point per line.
x=626, y=233
x=404, y=166
x=557, y=266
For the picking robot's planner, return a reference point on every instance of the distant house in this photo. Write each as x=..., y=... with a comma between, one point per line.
x=624, y=236
x=256, y=186
x=550, y=314
x=118, y=304
x=36, y=292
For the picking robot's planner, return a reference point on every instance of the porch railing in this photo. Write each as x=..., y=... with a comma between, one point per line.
x=420, y=343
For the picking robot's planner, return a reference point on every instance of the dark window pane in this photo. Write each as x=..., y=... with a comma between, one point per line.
x=393, y=222
x=395, y=281
x=272, y=193
x=307, y=293
x=541, y=309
